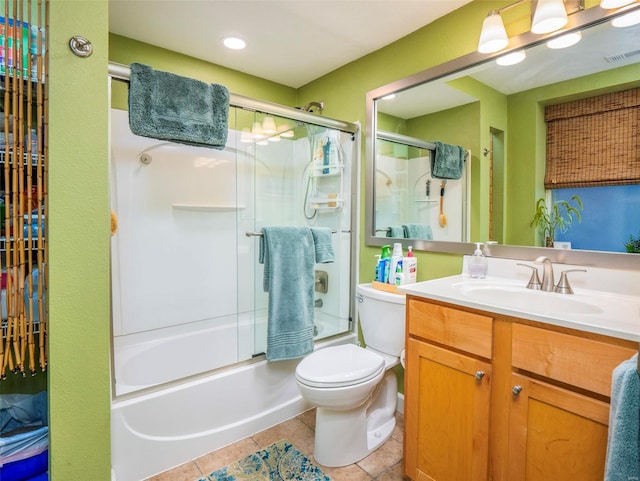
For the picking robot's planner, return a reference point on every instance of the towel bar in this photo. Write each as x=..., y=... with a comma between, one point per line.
x=259, y=234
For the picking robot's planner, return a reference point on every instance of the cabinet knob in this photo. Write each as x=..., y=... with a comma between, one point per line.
x=479, y=375
x=516, y=390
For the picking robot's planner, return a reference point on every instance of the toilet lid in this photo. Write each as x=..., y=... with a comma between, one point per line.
x=339, y=366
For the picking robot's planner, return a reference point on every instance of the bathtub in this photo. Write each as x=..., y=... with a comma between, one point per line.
x=156, y=431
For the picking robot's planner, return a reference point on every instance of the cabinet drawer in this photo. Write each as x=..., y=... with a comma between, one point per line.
x=458, y=329
x=580, y=362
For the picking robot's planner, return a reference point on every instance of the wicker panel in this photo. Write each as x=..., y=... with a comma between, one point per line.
x=594, y=141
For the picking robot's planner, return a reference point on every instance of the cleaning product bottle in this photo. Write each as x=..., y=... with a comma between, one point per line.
x=326, y=154
x=385, y=263
x=410, y=267
x=399, y=277
x=478, y=265
x=376, y=277
x=395, y=258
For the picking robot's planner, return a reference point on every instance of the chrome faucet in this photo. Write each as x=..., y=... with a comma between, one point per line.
x=547, y=273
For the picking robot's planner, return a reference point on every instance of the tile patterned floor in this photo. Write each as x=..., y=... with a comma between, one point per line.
x=384, y=464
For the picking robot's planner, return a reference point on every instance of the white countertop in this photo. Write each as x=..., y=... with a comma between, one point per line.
x=605, y=303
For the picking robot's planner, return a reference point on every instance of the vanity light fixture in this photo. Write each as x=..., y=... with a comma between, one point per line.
x=511, y=58
x=548, y=16
x=564, y=41
x=234, y=43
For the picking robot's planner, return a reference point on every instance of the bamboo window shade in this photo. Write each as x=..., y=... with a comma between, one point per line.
x=594, y=141
x=23, y=182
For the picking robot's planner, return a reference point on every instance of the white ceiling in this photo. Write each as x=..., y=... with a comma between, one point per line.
x=291, y=42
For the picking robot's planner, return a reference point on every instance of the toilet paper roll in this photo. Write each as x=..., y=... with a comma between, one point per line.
x=402, y=357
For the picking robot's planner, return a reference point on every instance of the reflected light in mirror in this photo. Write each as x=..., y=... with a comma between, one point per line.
x=511, y=58
x=550, y=15
x=268, y=125
x=608, y=4
x=564, y=41
x=627, y=20
x=493, y=36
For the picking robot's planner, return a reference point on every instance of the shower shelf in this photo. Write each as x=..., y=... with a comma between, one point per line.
x=207, y=208
x=427, y=201
x=322, y=203
x=334, y=170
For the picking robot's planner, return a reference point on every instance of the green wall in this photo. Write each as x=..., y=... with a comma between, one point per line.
x=78, y=243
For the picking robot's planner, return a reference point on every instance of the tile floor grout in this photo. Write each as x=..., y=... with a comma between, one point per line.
x=384, y=464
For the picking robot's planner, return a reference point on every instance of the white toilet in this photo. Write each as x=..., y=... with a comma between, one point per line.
x=354, y=388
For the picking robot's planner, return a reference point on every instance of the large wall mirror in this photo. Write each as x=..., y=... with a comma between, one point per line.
x=497, y=115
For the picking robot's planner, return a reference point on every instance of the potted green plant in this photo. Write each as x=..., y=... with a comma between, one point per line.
x=558, y=216
x=633, y=245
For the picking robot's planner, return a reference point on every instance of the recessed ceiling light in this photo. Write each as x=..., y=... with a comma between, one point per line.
x=234, y=43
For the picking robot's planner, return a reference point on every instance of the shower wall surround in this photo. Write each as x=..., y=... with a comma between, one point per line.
x=186, y=282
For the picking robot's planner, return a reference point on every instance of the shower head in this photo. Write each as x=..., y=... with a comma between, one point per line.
x=309, y=107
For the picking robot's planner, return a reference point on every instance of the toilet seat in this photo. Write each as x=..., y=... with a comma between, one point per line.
x=339, y=366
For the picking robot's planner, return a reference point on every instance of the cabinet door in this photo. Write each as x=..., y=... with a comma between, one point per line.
x=555, y=434
x=446, y=415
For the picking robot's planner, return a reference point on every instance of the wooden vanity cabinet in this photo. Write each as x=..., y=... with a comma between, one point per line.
x=559, y=431
x=447, y=393
x=494, y=398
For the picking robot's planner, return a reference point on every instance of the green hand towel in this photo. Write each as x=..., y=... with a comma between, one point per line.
x=166, y=106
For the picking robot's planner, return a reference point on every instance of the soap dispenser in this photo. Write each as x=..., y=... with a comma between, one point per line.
x=478, y=263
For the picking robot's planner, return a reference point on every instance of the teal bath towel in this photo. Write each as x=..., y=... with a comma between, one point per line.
x=323, y=244
x=448, y=161
x=623, y=446
x=395, y=231
x=166, y=106
x=418, y=231
x=288, y=255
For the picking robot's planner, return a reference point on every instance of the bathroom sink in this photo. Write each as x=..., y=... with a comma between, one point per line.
x=515, y=296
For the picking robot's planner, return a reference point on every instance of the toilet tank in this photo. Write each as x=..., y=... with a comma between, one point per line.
x=382, y=319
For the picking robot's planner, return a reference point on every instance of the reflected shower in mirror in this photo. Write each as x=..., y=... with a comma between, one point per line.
x=413, y=198
x=498, y=113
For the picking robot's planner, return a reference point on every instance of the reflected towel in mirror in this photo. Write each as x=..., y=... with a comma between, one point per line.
x=418, y=231
x=448, y=161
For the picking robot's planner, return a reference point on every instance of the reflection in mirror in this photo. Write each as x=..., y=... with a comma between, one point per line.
x=500, y=110
x=411, y=201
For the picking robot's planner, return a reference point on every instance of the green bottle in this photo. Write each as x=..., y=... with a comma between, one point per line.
x=385, y=259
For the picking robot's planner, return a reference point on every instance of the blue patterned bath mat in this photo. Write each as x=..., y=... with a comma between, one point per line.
x=278, y=462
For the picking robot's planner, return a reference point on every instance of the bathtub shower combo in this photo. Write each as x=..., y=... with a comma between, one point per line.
x=189, y=311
